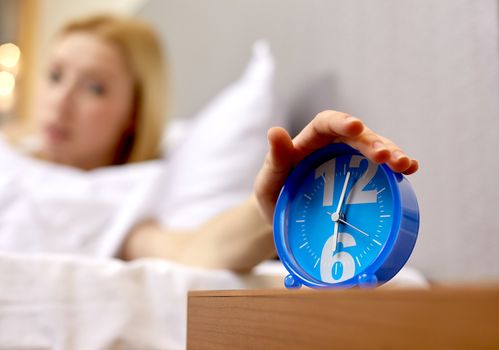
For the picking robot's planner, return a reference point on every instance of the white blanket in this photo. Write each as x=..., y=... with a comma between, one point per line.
x=50, y=301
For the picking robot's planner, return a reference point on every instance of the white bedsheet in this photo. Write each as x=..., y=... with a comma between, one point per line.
x=50, y=301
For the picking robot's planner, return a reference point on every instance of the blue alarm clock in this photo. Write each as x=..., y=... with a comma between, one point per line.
x=342, y=220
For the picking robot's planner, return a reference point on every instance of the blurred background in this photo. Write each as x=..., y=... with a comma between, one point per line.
x=424, y=73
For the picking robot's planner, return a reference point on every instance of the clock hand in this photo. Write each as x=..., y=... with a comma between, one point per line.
x=342, y=196
x=336, y=215
x=335, y=237
x=352, y=226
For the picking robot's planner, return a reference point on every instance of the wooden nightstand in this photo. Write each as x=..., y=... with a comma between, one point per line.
x=438, y=318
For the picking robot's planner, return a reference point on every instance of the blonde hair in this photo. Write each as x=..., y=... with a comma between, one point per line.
x=142, y=52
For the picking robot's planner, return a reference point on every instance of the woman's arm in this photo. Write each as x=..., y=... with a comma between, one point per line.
x=238, y=239
x=241, y=237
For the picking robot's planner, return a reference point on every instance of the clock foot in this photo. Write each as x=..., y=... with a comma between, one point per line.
x=367, y=280
x=291, y=282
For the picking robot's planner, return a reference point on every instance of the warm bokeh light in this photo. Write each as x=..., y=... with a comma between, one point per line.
x=9, y=55
x=7, y=83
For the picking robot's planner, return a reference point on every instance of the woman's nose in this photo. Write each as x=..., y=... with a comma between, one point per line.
x=62, y=100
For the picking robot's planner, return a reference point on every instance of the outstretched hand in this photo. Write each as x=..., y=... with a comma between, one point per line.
x=327, y=127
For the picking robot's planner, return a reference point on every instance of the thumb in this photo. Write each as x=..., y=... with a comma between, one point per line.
x=278, y=163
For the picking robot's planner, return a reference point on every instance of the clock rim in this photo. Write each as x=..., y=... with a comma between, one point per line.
x=389, y=250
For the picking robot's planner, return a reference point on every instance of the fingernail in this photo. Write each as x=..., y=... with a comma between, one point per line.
x=351, y=119
x=378, y=145
x=399, y=155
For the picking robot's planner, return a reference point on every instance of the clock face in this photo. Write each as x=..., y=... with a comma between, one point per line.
x=340, y=218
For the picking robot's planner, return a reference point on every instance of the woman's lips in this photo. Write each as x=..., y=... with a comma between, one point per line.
x=56, y=133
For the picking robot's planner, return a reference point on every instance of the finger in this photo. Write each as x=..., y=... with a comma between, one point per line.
x=380, y=149
x=398, y=161
x=280, y=150
x=412, y=168
x=370, y=145
x=276, y=167
x=325, y=128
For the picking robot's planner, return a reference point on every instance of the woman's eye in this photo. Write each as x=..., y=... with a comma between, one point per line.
x=96, y=89
x=55, y=76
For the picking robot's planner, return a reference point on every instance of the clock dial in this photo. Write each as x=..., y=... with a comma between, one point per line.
x=340, y=218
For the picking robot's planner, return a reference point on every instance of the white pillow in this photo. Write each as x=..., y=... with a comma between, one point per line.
x=52, y=208
x=214, y=166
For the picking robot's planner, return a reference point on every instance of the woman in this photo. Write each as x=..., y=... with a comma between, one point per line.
x=101, y=104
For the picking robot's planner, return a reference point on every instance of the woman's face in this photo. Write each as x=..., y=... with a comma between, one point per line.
x=85, y=102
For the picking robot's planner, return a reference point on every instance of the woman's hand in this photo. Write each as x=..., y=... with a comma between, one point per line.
x=241, y=237
x=327, y=127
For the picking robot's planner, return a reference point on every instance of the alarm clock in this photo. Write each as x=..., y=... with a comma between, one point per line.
x=342, y=220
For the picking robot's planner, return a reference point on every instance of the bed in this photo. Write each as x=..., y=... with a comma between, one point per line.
x=61, y=286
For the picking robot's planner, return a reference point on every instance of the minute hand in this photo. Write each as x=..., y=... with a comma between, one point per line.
x=343, y=191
